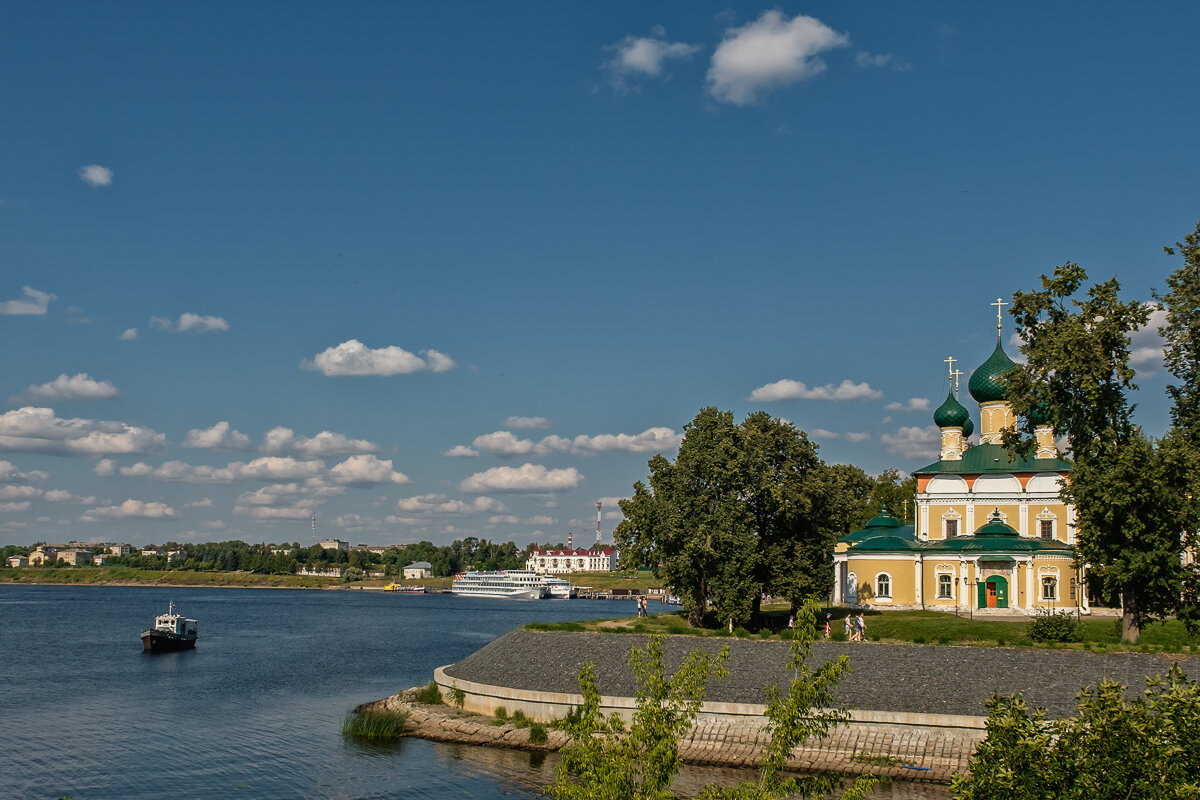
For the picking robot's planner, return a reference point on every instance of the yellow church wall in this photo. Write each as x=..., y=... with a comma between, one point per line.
x=1036, y=512
x=901, y=580
x=937, y=520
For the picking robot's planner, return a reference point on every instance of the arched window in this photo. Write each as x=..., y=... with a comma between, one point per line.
x=883, y=585
x=1049, y=588
x=851, y=588
x=945, y=586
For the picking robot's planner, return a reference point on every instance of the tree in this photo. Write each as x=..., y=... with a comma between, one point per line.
x=1115, y=749
x=607, y=762
x=741, y=511
x=1078, y=377
x=895, y=494
x=1181, y=355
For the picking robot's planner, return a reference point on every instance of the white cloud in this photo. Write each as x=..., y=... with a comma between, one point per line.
x=19, y=492
x=202, y=503
x=821, y=433
x=636, y=57
x=1146, y=345
x=96, y=175
x=63, y=496
x=504, y=444
x=38, y=430
x=880, y=60
x=525, y=478
x=768, y=53
x=911, y=404
x=191, y=323
x=461, y=451
x=504, y=519
x=526, y=423
x=15, y=507
x=34, y=304
x=10, y=474
x=220, y=436
x=325, y=443
x=278, y=468
x=129, y=335
x=440, y=504
x=797, y=390
x=914, y=442
x=130, y=509
x=363, y=470
x=352, y=357
x=105, y=468
x=170, y=471
x=64, y=387
x=858, y=436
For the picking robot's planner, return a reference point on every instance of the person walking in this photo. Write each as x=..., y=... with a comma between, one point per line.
x=860, y=626
x=849, y=628
x=828, y=629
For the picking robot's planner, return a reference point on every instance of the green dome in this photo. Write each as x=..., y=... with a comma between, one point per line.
x=951, y=413
x=987, y=382
x=1039, y=415
x=968, y=428
x=995, y=526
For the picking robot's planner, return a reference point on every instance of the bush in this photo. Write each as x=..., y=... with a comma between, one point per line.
x=537, y=734
x=742, y=633
x=501, y=713
x=459, y=697
x=1050, y=626
x=919, y=639
x=519, y=719
x=430, y=695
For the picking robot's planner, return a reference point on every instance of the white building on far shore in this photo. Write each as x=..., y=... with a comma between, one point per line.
x=600, y=558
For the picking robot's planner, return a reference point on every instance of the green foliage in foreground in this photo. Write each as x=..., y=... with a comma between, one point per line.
x=1147, y=748
x=606, y=761
x=430, y=695
x=375, y=725
x=1048, y=626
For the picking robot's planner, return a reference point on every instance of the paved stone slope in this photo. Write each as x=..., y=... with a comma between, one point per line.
x=926, y=679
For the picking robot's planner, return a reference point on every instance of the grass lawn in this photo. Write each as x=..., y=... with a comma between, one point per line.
x=918, y=627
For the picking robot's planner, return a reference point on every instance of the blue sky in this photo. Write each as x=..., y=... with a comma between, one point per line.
x=435, y=271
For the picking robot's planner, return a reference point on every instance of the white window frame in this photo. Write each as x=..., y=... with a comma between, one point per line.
x=881, y=595
x=950, y=582
x=1050, y=582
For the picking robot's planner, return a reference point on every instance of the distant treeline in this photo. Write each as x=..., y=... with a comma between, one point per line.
x=238, y=556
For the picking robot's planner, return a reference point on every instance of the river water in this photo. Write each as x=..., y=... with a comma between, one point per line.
x=255, y=711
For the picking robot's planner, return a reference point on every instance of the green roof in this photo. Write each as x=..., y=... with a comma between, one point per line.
x=987, y=382
x=890, y=544
x=999, y=544
x=884, y=524
x=951, y=413
x=984, y=458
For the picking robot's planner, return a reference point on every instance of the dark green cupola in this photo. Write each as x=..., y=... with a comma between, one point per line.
x=951, y=413
x=987, y=382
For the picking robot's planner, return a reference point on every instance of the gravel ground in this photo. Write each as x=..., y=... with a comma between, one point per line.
x=926, y=679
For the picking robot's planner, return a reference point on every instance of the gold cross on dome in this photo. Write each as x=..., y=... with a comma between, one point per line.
x=950, y=360
x=957, y=374
x=999, y=304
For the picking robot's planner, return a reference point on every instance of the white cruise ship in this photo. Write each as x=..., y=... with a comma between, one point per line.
x=518, y=583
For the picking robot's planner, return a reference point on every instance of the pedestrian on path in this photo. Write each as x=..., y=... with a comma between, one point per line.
x=828, y=629
x=860, y=626
x=849, y=628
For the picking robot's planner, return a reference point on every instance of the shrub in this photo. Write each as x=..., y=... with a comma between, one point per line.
x=919, y=639
x=519, y=719
x=741, y=633
x=1050, y=626
x=537, y=734
x=501, y=713
x=943, y=639
x=431, y=695
x=459, y=697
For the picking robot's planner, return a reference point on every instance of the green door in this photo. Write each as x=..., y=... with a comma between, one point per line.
x=993, y=593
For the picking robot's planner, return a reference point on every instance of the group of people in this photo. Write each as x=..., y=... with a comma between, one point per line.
x=856, y=627
x=641, y=605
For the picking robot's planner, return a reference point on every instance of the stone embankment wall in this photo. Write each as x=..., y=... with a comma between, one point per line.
x=922, y=708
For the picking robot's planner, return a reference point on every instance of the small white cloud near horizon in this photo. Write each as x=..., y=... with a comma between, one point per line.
x=129, y=335
x=34, y=304
x=75, y=387
x=821, y=433
x=130, y=509
x=769, y=53
x=96, y=175
x=526, y=423
x=911, y=404
x=220, y=436
x=525, y=478
x=638, y=57
x=796, y=390
x=505, y=444
x=190, y=323
x=325, y=443
x=353, y=358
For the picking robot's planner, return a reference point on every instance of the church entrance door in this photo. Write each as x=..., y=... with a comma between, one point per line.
x=993, y=593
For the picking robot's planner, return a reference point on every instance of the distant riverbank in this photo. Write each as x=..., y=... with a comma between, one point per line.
x=128, y=576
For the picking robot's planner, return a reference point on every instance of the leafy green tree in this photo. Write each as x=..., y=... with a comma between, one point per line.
x=894, y=493
x=1181, y=355
x=606, y=761
x=846, y=493
x=1115, y=749
x=742, y=510
x=1077, y=374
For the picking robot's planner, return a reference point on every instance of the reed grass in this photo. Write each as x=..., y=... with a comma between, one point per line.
x=375, y=726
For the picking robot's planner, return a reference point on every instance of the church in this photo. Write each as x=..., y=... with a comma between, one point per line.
x=990, y=530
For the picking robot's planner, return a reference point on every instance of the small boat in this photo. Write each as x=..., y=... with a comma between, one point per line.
x=171, y=632
x=560, y=588
x=404, y=589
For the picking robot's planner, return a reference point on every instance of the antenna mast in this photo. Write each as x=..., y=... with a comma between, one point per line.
x=598, y=505
x=314, y=527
